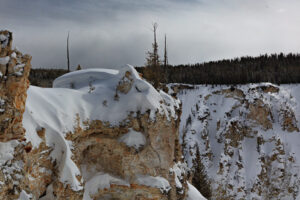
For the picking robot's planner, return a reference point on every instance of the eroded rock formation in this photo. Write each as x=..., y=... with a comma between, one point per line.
x=14, y=71
x=99, y=134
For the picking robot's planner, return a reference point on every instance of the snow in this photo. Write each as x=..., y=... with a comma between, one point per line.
x=2, y=103
x=83, y=96
x=101, y=181
x=19, y=69
x=4, y=40
x=24, y=196
x=252, y=165
x=133, y=139
x=7, y=151
x=13, y=55
x=156, y=182
x=193, y=193
x=49, y=193
x=141, y=97
x=179, y=169
x=2, y=37
x=4, y=60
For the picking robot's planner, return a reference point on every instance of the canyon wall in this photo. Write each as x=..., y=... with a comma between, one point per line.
x=248, y=137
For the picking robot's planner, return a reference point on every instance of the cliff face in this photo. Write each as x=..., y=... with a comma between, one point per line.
x=14, y=71
x=98, y=134
x=248, y=138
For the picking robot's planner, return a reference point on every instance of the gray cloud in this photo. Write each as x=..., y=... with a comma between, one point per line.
x=116, y=32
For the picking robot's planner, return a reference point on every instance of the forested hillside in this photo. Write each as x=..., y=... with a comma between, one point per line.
x=275, y=68
x=45, y=77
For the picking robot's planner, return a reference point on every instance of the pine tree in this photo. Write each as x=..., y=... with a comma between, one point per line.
x=200, y=179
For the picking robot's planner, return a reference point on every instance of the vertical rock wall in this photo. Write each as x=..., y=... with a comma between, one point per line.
x=14, y=72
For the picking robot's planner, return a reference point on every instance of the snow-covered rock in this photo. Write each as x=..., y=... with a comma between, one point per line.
x=104, y=123
x=98, y=134
x=248, y=136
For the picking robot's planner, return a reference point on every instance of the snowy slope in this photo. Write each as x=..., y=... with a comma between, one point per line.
x=86, y=95
x=248, y=138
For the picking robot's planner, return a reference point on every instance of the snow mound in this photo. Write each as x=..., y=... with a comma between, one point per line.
x=98, y=88
x=86, y=95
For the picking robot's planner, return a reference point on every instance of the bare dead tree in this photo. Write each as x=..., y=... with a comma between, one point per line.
x=165, y=53
x=68, y=56
x=155, y=46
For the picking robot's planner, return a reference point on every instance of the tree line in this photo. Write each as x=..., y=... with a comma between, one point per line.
x=275, y=68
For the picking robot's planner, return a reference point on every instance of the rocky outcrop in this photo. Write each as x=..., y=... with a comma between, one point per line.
x=247, y=139
x=98, y=134
x=14, y=71
x=102, y=134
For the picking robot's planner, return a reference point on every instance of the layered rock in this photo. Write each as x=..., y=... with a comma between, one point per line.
x=247, y=136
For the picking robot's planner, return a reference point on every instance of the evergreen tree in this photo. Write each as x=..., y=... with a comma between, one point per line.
x=200, y=179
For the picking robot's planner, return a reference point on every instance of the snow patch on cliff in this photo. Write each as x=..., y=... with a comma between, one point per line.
x=101, y=181
x=133, y=139
x=7, y=151
x=156, y=182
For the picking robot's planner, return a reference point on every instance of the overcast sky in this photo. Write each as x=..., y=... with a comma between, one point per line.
x=111, y=33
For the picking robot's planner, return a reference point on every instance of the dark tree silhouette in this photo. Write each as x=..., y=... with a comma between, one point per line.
x=152, y=70
x=274, y=68
x=68, y=56
x=200, y=179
